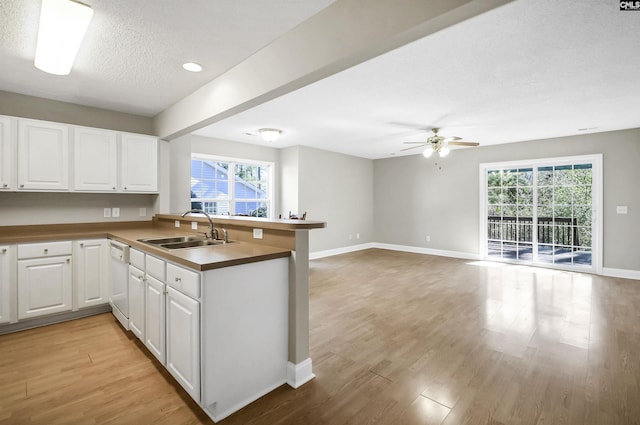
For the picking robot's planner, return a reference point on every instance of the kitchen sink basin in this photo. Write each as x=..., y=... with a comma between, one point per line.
x=176, y=239
x=180, y=242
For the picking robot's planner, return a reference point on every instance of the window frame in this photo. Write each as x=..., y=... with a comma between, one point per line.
x=597, y=205
x=231, y=161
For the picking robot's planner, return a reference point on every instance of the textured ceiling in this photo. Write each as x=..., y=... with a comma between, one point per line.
x=531, y=69
x=131, y=57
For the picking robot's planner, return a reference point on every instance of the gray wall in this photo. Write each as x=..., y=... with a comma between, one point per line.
x=414, y=197
x=48, y=208
x=338, y=189
x=19, y=105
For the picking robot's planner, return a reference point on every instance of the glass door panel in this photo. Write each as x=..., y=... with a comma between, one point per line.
x=541, y=214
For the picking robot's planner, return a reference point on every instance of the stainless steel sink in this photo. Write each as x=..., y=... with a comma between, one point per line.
x=181, y=242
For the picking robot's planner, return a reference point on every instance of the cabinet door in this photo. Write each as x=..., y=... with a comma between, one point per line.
x=139, y=163
x=44, y=286
x=7, y=153
x=155, y=327
x=91, y=266
x=95, y=159
x=7, y=297
x=183, y=341
x=43, y=155
x=136, y=302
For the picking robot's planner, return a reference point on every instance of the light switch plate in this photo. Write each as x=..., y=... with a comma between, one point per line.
x=257, y=233
x=194, y=225
x=621, y=209
x=115, y=212
x=177, y=223
x=107, y=212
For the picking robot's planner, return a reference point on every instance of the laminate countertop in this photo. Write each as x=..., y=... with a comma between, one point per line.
x=199, y=258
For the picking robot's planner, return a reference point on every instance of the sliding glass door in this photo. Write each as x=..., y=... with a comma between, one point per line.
x=542, y=212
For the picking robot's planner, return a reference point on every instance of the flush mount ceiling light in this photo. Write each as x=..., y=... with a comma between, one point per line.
x=192, y=67
x=270, y=134
x=63, y=24
x=437, y=143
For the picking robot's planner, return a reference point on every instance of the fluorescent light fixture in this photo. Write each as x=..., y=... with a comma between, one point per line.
x=63, y=24
x=427, y=152
x=270, y=134
x=192, y=67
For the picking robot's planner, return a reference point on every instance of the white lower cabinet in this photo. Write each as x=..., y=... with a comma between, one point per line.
x=7, y=287
x=91, y=272
x=183, y=341
x=155, y=318
x=44, y=286
x=136, y=301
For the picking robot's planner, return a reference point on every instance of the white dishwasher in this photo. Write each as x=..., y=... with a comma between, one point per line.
x=119, y=282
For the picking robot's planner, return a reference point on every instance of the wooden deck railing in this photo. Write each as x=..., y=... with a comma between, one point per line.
x=518, y=229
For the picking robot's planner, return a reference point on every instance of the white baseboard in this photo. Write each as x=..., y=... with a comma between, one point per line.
x=623, y=273
x=428, y=251
x=299, y=374
x=337, y=251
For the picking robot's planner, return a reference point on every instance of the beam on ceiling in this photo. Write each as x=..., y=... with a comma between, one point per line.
x=344, y=34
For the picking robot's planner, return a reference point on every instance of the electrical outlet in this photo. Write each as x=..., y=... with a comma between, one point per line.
x=107, y=212
x=257, y=233
x=177, y=223
x=142, y=212
x=115, y=212
x=622, y=209
x=194, y=225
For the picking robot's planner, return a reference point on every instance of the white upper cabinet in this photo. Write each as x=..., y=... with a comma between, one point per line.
x=43, y=155
x=139, y=163
x=7, y=153
x=95, y=159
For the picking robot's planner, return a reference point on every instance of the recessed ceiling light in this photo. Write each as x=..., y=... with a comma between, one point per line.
x=192, y=67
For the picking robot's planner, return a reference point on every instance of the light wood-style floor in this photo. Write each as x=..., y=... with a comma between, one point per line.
x=396, y=338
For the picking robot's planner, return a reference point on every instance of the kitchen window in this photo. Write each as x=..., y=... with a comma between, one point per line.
x=224, y=186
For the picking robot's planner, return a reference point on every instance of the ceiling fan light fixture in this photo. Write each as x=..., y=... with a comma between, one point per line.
x=270, y=134
x=63, y=24
x=427, y=152
x=444, y=151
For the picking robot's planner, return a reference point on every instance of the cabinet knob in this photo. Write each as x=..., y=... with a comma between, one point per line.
x=21, y=185
x=114, y=188
x=178, y=279
x=68, y=261
x=4, y=250
x=5, y=185
x=81, y=245
x=141, y=277
x=125, y=188
x=46, y=250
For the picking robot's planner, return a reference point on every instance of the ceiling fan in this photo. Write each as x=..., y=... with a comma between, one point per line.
x=437, y=143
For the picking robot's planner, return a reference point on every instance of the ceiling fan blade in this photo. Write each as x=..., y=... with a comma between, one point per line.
x=464, y=143
x=413, y=143
x=451, y=139
x=412, y=147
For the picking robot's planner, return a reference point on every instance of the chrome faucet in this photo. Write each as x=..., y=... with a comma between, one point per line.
x=213, y=233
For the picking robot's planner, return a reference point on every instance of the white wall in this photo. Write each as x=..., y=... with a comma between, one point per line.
x=414, y=197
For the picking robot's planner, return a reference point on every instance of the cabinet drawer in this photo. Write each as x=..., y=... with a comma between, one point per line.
x=45, y=249
x=184, y=280
x=136, y=258
x=156, y=267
